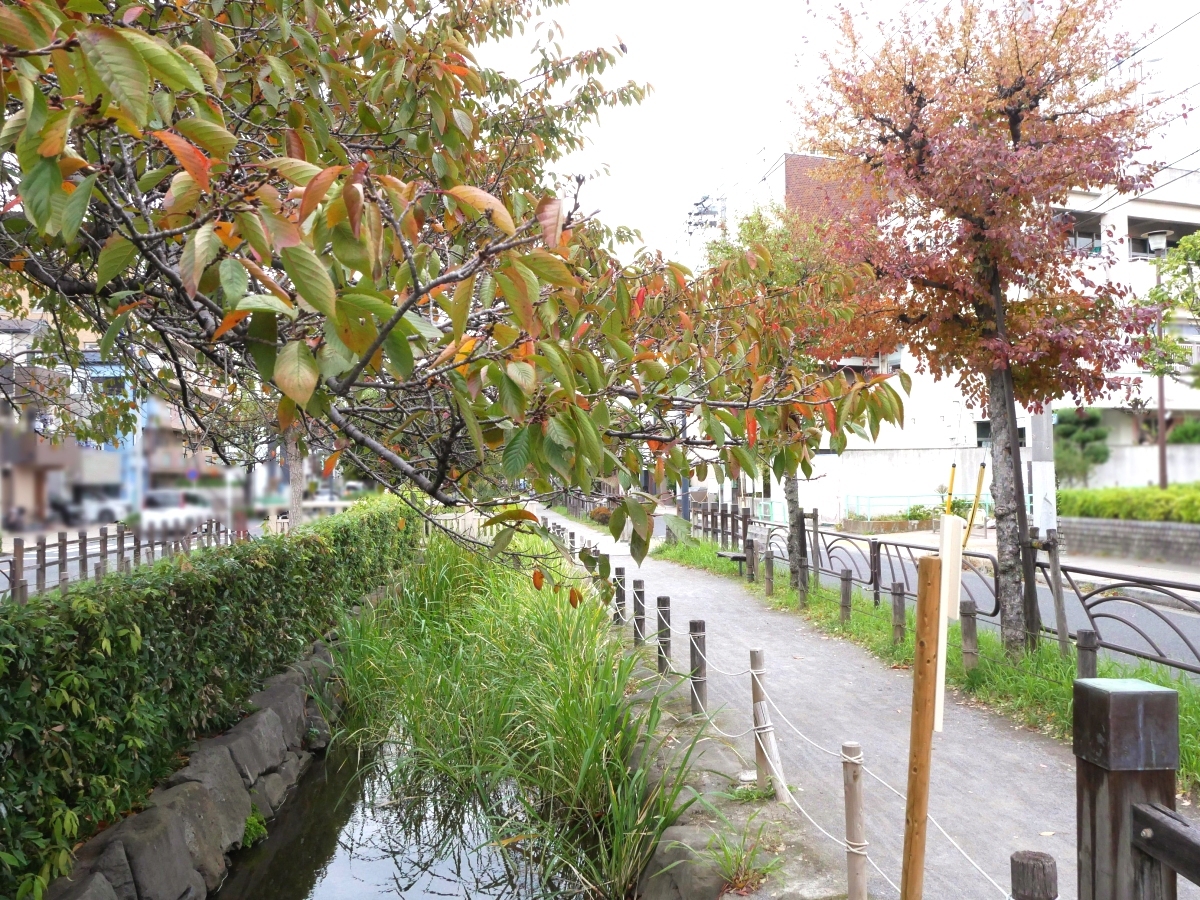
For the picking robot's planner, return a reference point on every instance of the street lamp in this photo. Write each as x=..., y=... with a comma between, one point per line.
x=1157, y=243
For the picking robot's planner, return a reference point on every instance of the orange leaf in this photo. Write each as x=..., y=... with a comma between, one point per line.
x=315, y=190
x=539, y=578
x=265, y=280
x=224, y=230
x=125, y=307
x=639, y=300
x=575, y=598
x=330, y=463
x=751, y=427
x=759, y=383
x=231, y=319
x=581, y=331
x=194, y=162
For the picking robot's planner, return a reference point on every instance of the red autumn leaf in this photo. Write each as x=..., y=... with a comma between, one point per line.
x=639, y=299
x=539, y=578
x=194, y=162
x=751, y=428
x=230, y=321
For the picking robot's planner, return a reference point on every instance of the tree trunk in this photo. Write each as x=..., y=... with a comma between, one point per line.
x=1008, y=534
x=296, y=479
x=795, y=526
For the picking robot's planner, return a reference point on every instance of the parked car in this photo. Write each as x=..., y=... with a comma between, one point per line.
x=101, y=510
x=174, y=507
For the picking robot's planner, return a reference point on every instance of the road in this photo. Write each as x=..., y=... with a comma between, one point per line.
x=996, y=787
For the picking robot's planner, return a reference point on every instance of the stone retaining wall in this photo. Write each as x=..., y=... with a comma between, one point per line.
x=1174, y=542
x=176, y=848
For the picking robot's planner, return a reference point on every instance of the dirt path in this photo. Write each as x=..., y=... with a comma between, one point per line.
x=996, y=787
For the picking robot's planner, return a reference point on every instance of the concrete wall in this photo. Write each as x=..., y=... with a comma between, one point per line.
x=1174, y=542
x=1138, y=466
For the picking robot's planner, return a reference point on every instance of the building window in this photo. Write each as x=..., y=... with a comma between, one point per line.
x=983, y=434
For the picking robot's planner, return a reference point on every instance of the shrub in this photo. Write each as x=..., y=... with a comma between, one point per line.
x=601, y=515
x=1186, y=432
x=101, y=689
x=1178, y=503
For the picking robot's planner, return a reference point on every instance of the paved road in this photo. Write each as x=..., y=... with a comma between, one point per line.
x=996, y=788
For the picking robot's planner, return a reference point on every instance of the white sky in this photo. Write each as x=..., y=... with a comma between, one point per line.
x=724, y=79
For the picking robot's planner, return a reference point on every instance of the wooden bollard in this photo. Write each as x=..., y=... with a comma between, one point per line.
x=664, y=635
x=769, y=571
x=103, y=549
x=856, y=828
x=63, y=577
x=1086, y=645
x=137, y=545
x=724, y=527
x=639, y=612
x=120, y=546
x=1034, y=876
x=16, y=570
x=545, y=521
x=571, y=545
x=847, y=587
x=619, y=596
x=699, y=659
x=83, y=556
x=1125, y=736
x=40, y=575
x=802, y=583
x=751, y=561
x=899, y=618
x=920, y=740
x=766, y=752
x=970, y=634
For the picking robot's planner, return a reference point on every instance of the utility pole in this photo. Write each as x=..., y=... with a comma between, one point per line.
x=1157, y=241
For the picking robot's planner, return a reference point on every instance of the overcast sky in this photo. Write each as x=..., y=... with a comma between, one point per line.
x=725, y=77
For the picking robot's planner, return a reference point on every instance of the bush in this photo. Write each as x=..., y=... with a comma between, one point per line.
x=1178, y=503
x=1186, y=432
x=601, y=515
x=101, y=689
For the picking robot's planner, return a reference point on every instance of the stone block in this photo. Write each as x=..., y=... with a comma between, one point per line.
x=291, y=676
x=85, y=886
x=676, y=871
x=274, y=788
x=158, y=856
x=213, y=767
x=260, y=801
x=105, y=855
x=288, y=701
x=255, y=744
x=202, y=828
x=294, y=766
x=317, y=733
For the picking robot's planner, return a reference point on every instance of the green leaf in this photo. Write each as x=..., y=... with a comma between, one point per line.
x=512, y=398
x=120, y=67
x=235, y=281
x=368, y=304
x=209, y=135
x=517, y=453
x=511, y=515
x=76, y=207
x=639, y=546
x=267, y=303
x=399, y=353
x=297, y=171
x=114, y=259
x=503, y=539
x=260, y=342
x=175, y=72
x=200, y=250
x=472, y=423
x=637, y=515
x=91, y=7
x=311, y=279
x=151, y=179
x=296, y=372
x=460, y=306
x=550, y=269
x=110, y=336
x=616, y=524
x=38, y=189
x=523, y=374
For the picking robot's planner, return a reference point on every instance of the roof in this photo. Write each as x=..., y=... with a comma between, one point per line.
x=807, y=192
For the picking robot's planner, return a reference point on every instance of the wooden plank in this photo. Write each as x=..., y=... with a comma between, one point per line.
x=1166, y=836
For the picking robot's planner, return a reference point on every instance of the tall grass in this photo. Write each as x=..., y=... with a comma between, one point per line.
x=506, y=692
x=1034, y=689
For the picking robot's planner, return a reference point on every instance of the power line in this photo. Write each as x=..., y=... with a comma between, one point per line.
x=1151, y=43
x=1104, y=200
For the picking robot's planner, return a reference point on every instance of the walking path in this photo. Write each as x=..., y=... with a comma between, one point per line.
x=996, y=787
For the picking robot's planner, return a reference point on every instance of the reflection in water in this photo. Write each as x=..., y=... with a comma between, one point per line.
x=349, y=832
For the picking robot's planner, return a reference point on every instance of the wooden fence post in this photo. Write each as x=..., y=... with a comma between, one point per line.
x=1034, y=876
x=83, y=556
x=664, y=635
x=619, y=596
x=639, y=612
x=970, y=634
x=63, y=577
x=769, y=571
x=40, y=576
x=571, y=545
x=1086, y=645
x=699, y=660
x=1056, y=589
x=899, y=618
x=920, y=740
x=816, y=547
x=103, y=550
x=847, y=587
x=876, y=569
x=724, y=526
x=751, y=560
x=766, y=752
x=802, y=587
x=1126, y=744
x=856, y=829
x=745, y=524
x=16, y=569
x=120, y=546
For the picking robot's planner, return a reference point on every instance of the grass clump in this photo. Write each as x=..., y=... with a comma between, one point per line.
x=493, y=689
x=1035, y=689
x=738, y=855
x=256, y=828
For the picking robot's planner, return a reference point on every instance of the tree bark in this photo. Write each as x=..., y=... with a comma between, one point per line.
x=1008, y=534
x=296, y=479
x=795, y=526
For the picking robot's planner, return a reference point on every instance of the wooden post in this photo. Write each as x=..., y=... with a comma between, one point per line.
x=1056, y=588
x=856, y=828
x=16, y=572
x=769, y=571
x=619, y=596
x=40, y=576
x=137, y=545
x=664, y=635
x=920, y=740
x=724, y=526
x=745, y=524
x=802, y=587
x=1086, y=644
x=751, y=560
x=699, y=661
x=876, y=569
x=1126, y=744
x=795, y=529
x=970, y=633
x=63, y=577
x=120, y=546
x=816, y=546
x=766, y=752
x=847, y=587
x=571, y=545
x=899, y=618
x=639, y=612
x=103, y=549
x=1034, y=876
x=83, y=556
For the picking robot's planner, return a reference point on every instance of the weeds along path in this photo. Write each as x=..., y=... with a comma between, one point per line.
x=996, y=787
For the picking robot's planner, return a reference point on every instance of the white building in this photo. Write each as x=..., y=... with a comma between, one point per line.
x=912, y=465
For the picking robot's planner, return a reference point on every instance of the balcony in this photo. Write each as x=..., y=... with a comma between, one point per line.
x=28, y=448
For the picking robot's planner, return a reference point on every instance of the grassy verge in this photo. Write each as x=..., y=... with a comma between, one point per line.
x=498, y=691
x=1034, y=689
x=582, y=520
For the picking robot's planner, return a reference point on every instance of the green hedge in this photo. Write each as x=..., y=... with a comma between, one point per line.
x=1178, y=503
x=100, y=690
